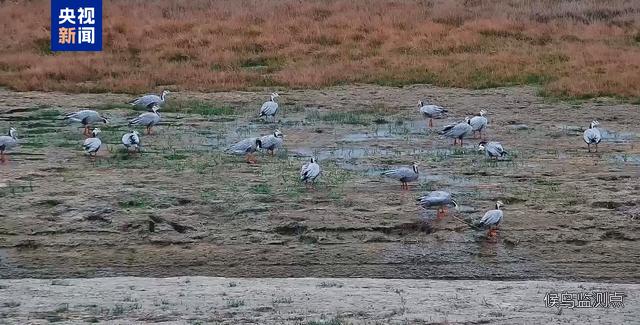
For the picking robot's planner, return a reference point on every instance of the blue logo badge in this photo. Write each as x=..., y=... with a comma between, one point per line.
x=76, y=25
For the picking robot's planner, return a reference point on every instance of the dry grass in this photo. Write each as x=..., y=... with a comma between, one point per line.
x=573, y=48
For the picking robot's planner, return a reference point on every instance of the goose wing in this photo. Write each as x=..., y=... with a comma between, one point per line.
x=491, y=218
x=146, y=100
x=82, y=116
x=309, y=171
x=147, y=118
x=243, y=147
x=269, y=108
x=7, y=142
x=130, y=139
x=432, y=110
x=478, y=122
x=401, y=174
x=592, y=136
x=435, y=198
x=270, y=142
x=494, y=149
x=457, y=131
x=91, y=145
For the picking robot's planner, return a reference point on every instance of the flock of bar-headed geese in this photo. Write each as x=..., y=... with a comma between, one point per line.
x=310, y=171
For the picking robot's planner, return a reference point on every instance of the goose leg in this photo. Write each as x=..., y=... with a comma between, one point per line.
x=430, y=122
x=596, y=147
x=461, y=142
x=2, y=155
x=251, y=159
x=589, y=146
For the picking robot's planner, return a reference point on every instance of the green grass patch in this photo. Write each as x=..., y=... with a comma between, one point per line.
x=135, y=203
x=261, y=189
x=197, y=107
x=352, y=118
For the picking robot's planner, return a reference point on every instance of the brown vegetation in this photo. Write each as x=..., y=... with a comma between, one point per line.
x=572, y=48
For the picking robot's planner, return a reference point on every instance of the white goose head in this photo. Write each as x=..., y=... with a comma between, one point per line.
x=481, y=145
x=483, y=112
x=499, y=204
x=12, y=133
x=593, y=124
x=164, y=94
x=278, y=134
x=313, y=160
x=420, y=103
x=95, y=132
x=274, y=96
x=415, y=167
x=467, y=120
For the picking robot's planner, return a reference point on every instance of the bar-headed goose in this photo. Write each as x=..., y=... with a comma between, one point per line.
x=431, y=111
x=404, y=175
x=492, y=219
x=592, y=135
x=87, y=117
x=7, y=142
x=440, y=199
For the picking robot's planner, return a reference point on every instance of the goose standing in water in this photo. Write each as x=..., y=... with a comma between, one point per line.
x=7, y=142
x=457, y=131
x=478, y=123
x=93, y=144
x=492, y=149
x=440, y=199
x=404, y=175
x=246, y=148
x=592, y=135
x=146, y=100
x=270, y=108
x=431, y=111
x=86, y=117
x=310, y=172
x=131, y=140
x=148, y=119
x=492, y=219
x=272, y=141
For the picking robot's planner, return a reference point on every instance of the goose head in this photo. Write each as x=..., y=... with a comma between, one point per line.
x=481, y=145
x=12, y=133
x=274, y=96
x=95, y=132
x=104, y=120
x=155, y=108
x=467, y=120
x=499, y=204
x=313, y=160
x=593, y=124
x=278, y=134
x=483, y=112
x=164, y=93
x=420, y=103
x=455, y=204
x=258, y=143
x=415, y=167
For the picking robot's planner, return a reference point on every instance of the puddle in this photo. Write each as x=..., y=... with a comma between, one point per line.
x=626, y=159
x=617, y=137
x=368, y=136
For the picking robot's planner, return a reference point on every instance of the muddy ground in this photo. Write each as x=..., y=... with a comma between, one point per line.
x=569, y=214
x=309, y=301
